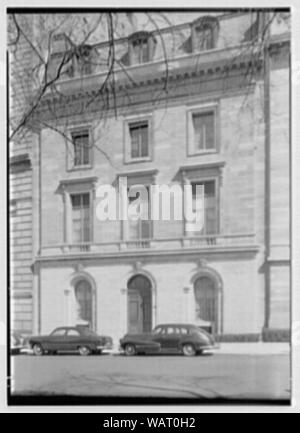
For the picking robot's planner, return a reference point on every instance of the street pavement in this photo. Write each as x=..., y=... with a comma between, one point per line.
x=220, y=376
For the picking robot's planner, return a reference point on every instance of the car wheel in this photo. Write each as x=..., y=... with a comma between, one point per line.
x=188, y=350
x=130, y=350
x=84, y=350
x=37, y=350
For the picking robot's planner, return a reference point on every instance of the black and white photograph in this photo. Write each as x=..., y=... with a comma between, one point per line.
x=149, y=194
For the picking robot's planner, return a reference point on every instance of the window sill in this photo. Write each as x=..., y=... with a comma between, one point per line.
x=138, y=160
x=80, y=167
x=204, y=152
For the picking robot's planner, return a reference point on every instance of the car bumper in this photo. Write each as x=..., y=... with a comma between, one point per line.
x=210, y=347
x=107, y=347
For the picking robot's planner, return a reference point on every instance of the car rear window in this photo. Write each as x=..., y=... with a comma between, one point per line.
x=73, y=333
x=87, y=331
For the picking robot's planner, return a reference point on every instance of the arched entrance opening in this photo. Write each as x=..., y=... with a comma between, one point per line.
x=139, y=304
x=84, y=300
x=207, y=301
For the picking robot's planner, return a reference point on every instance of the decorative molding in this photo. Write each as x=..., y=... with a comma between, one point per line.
x=137, y=266
x=201, y=166
x=79, y=267
x=21, y=295
x=19, y=163
x=236, y=251
x=76, y=181
x=202, y=263
x=141, y=176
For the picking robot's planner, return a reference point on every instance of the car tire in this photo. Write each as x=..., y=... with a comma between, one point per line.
x=37, y=350
x=130, y=350
x=84, y=350
x=189, y=350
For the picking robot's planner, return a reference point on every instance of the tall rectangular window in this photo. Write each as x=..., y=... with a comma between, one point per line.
x=81, y=218
x=210, y=206
x=204, y=130
x=139, y=137
x=82, y=148
x=141, y=228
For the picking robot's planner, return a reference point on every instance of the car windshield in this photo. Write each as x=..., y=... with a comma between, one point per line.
x=58, y=332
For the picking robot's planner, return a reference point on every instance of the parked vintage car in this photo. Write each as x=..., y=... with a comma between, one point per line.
x=169, y=338
x=16, y=343
x=70, y=339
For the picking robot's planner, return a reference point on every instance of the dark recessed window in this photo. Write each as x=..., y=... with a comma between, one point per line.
x=204, y=130
x=82, y=148
x=139, y=137
x=140, y=51
x=141, y=48
x=210, y=206
x=204, y=38
x=205, y=33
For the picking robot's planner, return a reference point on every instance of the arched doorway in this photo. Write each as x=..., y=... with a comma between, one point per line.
x=139, y=304
x=207, y=301
x=84, y=299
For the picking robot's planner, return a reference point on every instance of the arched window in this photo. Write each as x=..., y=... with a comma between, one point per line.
x=205, y=33
x=83, y=294
x=141, y=47
x=139, y=304
x=206, y=300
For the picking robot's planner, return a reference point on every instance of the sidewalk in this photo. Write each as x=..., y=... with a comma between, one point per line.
x=253, y=349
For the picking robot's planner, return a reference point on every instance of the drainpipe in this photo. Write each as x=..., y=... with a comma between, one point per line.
x=267, y=115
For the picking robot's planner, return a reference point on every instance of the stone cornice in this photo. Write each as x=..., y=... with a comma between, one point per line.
x=78, y=180
x=236, y=250
x=216, y=64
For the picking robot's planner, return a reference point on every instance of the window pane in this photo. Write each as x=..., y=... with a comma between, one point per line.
x=210, y=207
x=204, y=38
x=73, y=333
x=81, y=148
x=135, y=148
x=210, y=131
x=86, y=199
x=206, y=299
x=58, y=333
x=140, y=51
x=75, y=199
x=86, y=230
x=146, y=229
x=209, y=188
x=144, y=139
x=81, y=218
x=139, y=140
x=204, y=134
x=84, y=298
x=135, y=52
x=145, y=51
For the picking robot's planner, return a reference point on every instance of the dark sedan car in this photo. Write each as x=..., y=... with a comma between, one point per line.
x=16, y=343
x=70, y=339
x=169, y=338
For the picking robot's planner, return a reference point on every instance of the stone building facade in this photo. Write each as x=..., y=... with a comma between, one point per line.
x=215, y=114
x=21, y=192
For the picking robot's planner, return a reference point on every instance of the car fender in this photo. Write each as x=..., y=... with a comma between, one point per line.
x=141, y=343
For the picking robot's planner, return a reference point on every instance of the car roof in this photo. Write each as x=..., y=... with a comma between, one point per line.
x=67, y=328
x=183, y=325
